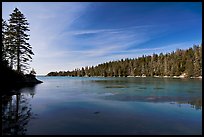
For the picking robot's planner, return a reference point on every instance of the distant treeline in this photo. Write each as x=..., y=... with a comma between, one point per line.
x=180, y=62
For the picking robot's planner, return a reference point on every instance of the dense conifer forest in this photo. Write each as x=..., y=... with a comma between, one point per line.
x=185, y=63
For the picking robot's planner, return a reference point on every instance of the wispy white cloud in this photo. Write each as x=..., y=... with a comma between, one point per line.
x=104, y=39
x=47, y=21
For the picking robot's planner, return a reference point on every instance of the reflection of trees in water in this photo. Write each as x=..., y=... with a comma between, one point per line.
x=196, y=103
x=16, y=112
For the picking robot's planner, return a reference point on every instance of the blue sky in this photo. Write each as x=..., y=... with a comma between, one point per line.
x=70, y=35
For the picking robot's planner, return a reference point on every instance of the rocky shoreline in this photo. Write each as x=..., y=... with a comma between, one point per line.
x=10, y=86
x=29, y=80
x=11, y=80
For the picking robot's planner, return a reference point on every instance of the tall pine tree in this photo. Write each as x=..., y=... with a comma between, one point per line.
x=19, y=26
x=2, y=50
x=9, y=45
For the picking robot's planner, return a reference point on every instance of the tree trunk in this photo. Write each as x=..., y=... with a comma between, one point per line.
x=1, y=53
x=18, y=59
x=18, y=51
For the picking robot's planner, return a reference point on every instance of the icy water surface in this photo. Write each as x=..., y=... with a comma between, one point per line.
x=74, y=105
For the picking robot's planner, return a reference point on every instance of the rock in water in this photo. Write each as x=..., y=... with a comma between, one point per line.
x=97, y=112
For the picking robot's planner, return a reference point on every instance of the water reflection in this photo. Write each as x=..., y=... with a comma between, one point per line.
x=196, y=103
x=16, y=111
x=132, y=106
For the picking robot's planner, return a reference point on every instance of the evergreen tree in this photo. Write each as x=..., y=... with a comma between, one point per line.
x=189, y=62
x=32, y=72
x=82, y=72
x=18, y=26
x=3, y=49
x=196, y=63
x=10, y=47
x=200, y=51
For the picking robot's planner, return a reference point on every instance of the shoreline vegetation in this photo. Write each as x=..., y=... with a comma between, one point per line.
x=177, y=64
x=181, y=76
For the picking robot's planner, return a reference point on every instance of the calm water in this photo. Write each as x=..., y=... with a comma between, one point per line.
x=73, y=105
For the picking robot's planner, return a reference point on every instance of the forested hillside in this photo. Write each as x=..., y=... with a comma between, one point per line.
x=180, y=62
